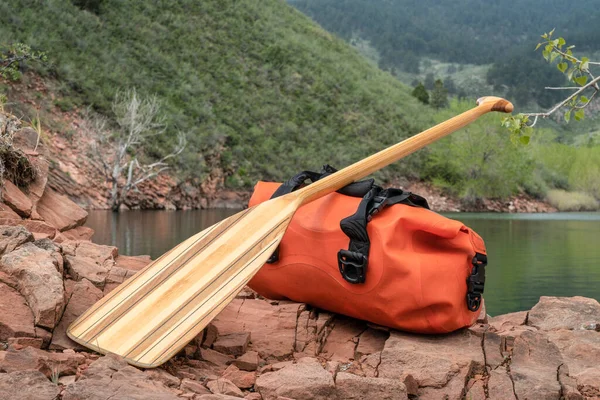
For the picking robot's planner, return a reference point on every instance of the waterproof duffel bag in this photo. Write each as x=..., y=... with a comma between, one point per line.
x=375, y=254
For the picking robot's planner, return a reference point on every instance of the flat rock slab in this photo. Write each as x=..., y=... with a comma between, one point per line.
x=441, y=364
x=16, y=319
x=12, y=237
x=580, y=351
x=352, y=387
x=16, y=200
x=46, y=362
x=272, y=326
x=305, y=380
x=234, y=344
x=84, y=295
x=27, y=385
x=534, y=367
x=60, y=212
x=565, y=313
x=111, y=378
x=37, y=272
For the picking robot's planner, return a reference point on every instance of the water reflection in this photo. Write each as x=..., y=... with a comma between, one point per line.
x=530, y=255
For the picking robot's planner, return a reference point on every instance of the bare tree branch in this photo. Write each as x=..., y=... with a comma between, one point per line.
x=137, y=119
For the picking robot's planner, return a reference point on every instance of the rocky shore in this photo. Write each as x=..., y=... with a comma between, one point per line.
x=275, y=350
x=73, y=174
x=50, y=273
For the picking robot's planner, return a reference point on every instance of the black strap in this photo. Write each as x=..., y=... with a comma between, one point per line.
x=354, y=189
x=353, y=262
x=476, y=282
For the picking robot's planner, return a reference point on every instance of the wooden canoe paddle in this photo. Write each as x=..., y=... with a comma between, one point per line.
x=153, y=315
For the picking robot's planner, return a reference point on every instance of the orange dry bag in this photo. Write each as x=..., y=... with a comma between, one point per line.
x=375, y=254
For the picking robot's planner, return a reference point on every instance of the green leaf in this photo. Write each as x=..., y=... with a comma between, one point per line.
x=562, y=67
x=579, y=115
x=585, y=64
x=525, y=139
x=553, y=56
x=546, y=54
x=568, y=116
x=561, y=42
x=584, y=99
x=551, y=32
x=582, y=80
x=538, y=46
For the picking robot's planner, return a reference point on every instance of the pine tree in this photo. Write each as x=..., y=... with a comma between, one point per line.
x=421, y=93
x=439, y=95
x=449, y=85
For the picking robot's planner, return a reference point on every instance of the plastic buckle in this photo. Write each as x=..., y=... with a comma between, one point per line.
x=353, y=266
x=476, y=282
x=379, y=202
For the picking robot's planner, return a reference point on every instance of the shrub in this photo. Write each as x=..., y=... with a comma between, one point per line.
x=572, y=201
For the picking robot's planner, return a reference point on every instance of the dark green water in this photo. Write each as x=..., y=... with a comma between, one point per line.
x=530, y=255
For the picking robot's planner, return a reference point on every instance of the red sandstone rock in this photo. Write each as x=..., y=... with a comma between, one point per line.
x=90, y=261
x=341, y=343
x=7, y=213
x=306, y=380
x=12, y=237
x=30, y=358
x=27, y=385
x=535, y=362
x=564, y=313
x=188, y=385
x=39, y=281
x=224, y=386
x=210, y=335
x=162, y=376
x=441, y=363
x=241, y=379
x=214, y=357
x=60, y=212
x=234, y=344
x=16, y=200
x=16, y=319
x=370, y=341
x=133, y=263
x=83, y=296
x=272, y=326
x=580, y=351
x=248, y=361
x=111, y=378
x=79, y=233
x=352, y=387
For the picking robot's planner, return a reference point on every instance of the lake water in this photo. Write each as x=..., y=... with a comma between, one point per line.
x=530, y=255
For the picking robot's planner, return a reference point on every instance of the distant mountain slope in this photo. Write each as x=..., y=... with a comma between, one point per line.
x=464, y=31
x=257, y=82
x=467, y=31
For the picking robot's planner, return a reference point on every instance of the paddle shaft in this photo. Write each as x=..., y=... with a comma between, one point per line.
x=385, y=157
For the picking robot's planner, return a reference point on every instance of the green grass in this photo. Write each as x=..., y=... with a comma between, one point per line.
x=258, y=80
x=262, y=92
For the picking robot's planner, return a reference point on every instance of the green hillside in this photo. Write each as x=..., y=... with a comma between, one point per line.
x=263, y=92
x=257, y=81
x=408, y=33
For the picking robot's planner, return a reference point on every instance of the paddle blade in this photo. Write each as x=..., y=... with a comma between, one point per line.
x=153, y=315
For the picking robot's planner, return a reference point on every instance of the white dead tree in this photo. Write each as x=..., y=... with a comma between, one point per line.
x=137, y=120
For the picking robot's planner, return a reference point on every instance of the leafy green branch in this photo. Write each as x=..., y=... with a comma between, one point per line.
x=13, y=56
x=576, y=70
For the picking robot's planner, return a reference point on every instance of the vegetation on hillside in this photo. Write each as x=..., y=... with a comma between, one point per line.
x=405, y=32
x=272, y=93
x=258, y=79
